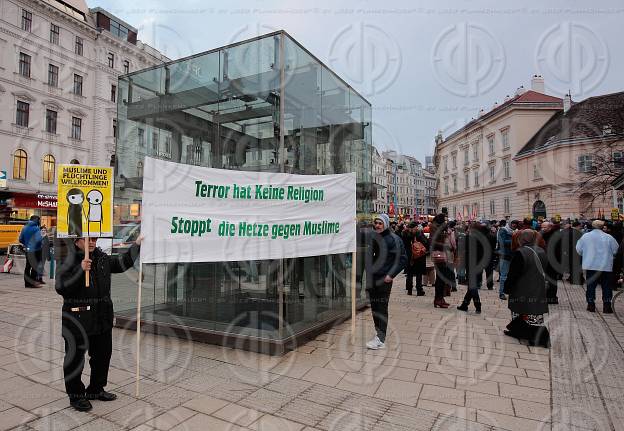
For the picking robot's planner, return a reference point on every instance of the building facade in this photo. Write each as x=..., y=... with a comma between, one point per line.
x=430, y=191
x=59, y=65
x=567, y=167
x=380, y=182
x=476, y=171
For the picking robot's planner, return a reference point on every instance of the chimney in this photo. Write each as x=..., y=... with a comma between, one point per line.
x=438, y=138
x=507, y=98
x=481, y=112
x=495, y=105
x=567, y=103
x=537, y=84
x=520, y=90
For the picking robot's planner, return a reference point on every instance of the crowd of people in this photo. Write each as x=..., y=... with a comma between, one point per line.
x=528, y=256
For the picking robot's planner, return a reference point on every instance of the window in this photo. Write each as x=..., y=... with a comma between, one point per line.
x=49, y=168
x=53, y=74
x=492, y=207
x=475, y=152
x=446, y=188
x=141, y=135
x=168, y=144
x=585, y=163
x=466, y=180
x=476, y=178
x=23, y=110
x=618, y=158
x=507, y=206
x=78, y=46
x=111, y=60
x=113, y=95
x=505, y=138
x=506, y=168
x=20, y=164
x=155, y=141
x=118, y=30
x=454, y=156
x=24, y=65
x=492, y=173
x=536, y=172
x=114, y=128
x=76, y=130
x=490, y=140
x=126, y=66
x=54, y=33
x=454, y=183
x=26, y=20
x=51, y=117
x=139, y=169
x=77, y=84
x=445, y=164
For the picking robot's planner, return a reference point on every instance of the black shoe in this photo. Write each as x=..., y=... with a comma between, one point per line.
x=591, y=308
x=103, y=396
x=81, y=404
x=502, y=296
x=478, y=307
x=409, y=292
x=420, y=292
x=463, y=307
x=553, y=300
x=453, y=289
x=607, y=309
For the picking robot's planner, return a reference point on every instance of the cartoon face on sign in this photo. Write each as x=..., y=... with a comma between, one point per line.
x=95, y=215
x=75, y=197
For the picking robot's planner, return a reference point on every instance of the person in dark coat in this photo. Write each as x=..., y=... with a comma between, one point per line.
x=478, y=254
x=31, y=240
x=570, y=259
x=407, y=235
x=440, y=250
x=87, y=317
x=419, y=264
x=45, y=253
x=552, y=237
x=386, y=261
x=526, y=287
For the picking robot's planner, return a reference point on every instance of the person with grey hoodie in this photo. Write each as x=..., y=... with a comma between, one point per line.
x=387, y=258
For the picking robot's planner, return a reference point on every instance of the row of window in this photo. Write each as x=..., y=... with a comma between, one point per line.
x=22, y=119
x=155, y=139
x=476, y=176
x=476, y=150
x=20, y=166
x=24, y=69
x=55, y=33
x=472, y=210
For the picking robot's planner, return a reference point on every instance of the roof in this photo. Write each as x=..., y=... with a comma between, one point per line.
x=596, y=117
x=528, y=98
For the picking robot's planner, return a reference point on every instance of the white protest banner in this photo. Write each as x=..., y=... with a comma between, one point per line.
x=198, y=214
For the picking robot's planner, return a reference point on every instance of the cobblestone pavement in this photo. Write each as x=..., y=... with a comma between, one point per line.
x=441, y=370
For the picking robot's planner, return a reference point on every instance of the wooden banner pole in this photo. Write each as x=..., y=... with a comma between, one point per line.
x=86, y=250
x=138, y=329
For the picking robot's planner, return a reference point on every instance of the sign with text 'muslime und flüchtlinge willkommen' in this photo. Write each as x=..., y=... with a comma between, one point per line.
x=85, y=201
x=197, y=214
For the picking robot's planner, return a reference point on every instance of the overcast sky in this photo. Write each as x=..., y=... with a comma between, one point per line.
x=424, y=65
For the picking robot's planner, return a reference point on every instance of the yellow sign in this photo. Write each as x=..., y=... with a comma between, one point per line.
x=85, y=201
x=615, y=214
x=558, y=218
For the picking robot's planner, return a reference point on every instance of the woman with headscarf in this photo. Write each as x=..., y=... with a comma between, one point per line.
x=526, y=287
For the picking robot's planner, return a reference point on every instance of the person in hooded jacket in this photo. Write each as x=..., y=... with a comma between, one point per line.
x=30, y=237
x=386, y=260
x=87, y=317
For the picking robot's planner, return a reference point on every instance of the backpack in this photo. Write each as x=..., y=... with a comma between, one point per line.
x=418, y=250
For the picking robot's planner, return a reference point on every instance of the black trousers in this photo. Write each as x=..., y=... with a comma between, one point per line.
x=100, y=347
x=379, y=297
x=444, y=277
x=474, y=283
x=32, y=272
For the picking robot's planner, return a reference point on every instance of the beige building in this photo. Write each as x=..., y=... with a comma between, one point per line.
x=380, y=183
x=566, y=169
x=475, y=166
x=59, y=64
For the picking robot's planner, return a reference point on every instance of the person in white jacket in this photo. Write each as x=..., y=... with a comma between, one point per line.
x=598, y=249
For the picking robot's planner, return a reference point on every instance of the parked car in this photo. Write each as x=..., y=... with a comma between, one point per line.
x=124, y=236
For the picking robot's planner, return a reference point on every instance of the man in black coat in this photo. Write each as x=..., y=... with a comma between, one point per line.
x=570, y=259
x=387, y=260
x=87, y=317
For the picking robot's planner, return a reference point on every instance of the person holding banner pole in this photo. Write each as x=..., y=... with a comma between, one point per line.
x=387, y=260
x=87, y=317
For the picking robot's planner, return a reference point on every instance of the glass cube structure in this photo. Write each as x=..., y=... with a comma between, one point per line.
x=264, y=104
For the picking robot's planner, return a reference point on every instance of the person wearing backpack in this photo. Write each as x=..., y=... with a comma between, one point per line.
x=420, y=245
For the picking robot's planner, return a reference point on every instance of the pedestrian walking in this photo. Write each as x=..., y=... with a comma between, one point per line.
x=387, y=260
x=440, y=249
x=597, y=250
x=420, y=245
x=552, y=238
x=30, y=237
x=570, y=259
x=87, y=317
x=503, y=235
x=526, y=287
x=478, y=256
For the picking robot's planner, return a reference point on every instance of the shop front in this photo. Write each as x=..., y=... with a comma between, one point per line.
x=19, y=207
x=267, y=105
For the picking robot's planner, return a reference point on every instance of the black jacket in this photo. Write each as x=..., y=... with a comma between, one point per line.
x=526, y=284
x=70, y=283
x=477, y=254
x=388, y=256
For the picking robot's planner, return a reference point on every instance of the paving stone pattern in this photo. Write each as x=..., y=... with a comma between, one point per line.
x=441, y=370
